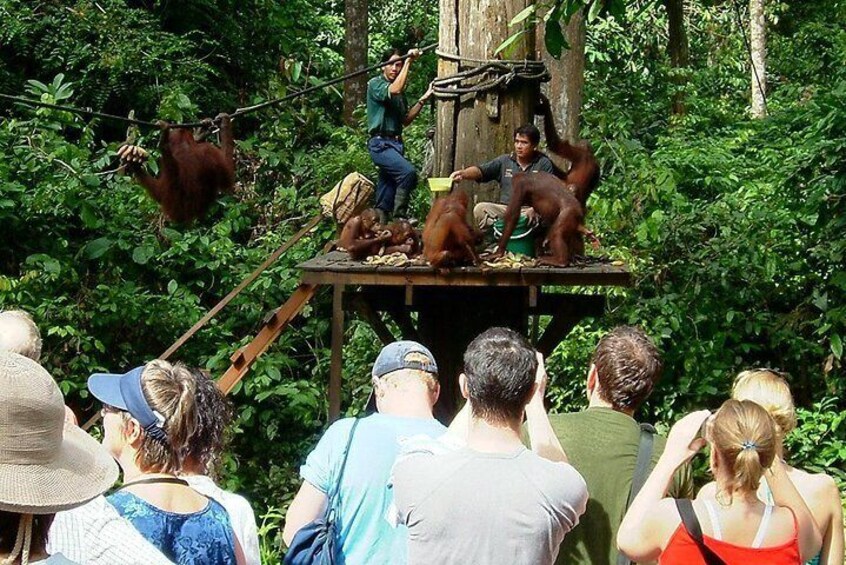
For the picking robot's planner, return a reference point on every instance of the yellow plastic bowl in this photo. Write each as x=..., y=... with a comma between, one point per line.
x=442, y=184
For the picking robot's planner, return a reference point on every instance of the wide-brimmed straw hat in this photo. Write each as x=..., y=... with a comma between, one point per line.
x=45, y=466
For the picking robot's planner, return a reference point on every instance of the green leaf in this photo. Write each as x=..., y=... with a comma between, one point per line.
x=97, y=248
x=509, y=43
x=172, y=286
x=595, y=8
x=836, y=345
x=89, y=216
x=142, y=254
x=554, y=39
x=524, y=13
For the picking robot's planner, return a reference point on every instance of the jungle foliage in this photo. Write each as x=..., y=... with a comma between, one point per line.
x=732, y=226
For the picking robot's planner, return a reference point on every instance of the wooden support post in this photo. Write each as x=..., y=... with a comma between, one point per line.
x=360, y=304
x=571, y=310
x=336, y=363
x=451, y=317
x=406, y=325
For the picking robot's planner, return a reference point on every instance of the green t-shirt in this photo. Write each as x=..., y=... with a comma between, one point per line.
x=385, y=111
x=602, y=445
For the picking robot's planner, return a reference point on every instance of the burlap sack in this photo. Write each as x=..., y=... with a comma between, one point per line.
x=347, y=198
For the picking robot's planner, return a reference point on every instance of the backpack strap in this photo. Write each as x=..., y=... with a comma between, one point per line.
x=336, y=494
x=691, y=524
x=641, y=472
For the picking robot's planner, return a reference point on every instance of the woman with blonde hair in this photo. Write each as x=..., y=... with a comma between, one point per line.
x=769, y=389
x=741, y=529
x=149, y=415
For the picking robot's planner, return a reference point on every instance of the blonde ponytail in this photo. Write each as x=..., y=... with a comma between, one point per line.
x=745, y=438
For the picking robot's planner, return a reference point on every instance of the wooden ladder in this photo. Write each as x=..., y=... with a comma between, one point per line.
x=277, y=321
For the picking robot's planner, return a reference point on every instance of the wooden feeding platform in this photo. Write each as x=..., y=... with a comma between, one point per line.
x=454, y=306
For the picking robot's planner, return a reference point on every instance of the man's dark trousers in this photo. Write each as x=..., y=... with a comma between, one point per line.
x=397, y=177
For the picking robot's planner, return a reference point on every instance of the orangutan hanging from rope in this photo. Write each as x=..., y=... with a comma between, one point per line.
x=192, y=171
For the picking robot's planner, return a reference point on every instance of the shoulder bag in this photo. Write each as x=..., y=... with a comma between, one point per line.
x=316, y=542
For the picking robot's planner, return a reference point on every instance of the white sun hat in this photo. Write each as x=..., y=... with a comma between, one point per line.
x=45, y=466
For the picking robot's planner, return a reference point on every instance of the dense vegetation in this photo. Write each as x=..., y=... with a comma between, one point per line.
x=733, y=227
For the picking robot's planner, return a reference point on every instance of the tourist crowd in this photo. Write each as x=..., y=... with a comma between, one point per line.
x=505, y=482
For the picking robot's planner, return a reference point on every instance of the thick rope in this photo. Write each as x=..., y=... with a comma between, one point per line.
x=238, y=112
x=487, y=75
x=364, y=70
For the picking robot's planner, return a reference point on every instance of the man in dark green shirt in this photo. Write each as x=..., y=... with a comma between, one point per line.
x=387, y=113
x=525, y=159
x=602, y=442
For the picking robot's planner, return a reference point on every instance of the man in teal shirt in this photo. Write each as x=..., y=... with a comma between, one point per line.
x=405, y=388
x=387, y=113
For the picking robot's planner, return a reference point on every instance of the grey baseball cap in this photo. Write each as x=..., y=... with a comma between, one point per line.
x=392, y=358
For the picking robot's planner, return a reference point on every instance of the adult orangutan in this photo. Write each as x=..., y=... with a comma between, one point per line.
x=583, y=175
x=560, y=211
x=448, y=239
x=191, y=173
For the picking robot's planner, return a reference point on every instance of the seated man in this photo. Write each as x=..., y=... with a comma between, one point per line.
x=526, y=158
x=492, y=501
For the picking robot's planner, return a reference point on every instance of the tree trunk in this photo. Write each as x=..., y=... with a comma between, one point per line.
x=679, y=51
x=474, y=129
x=568, y=79
x=758, y=46
x=355, y=55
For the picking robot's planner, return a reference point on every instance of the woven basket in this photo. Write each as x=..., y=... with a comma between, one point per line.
x=347, y=198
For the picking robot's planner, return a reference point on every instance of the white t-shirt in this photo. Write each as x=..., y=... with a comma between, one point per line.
x=240, y=514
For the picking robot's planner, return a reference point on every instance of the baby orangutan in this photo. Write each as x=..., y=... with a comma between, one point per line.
x=362, y=236
x=404, y=238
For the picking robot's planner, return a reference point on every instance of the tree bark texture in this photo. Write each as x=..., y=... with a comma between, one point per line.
x=476, y=128
x=678, y=48
x=758, y=46
x=568, y=79
x=355, y=55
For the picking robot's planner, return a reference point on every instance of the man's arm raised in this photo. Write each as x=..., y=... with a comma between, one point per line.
x=542, y=437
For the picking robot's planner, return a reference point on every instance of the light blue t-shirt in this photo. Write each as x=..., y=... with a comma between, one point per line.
x=366, y=537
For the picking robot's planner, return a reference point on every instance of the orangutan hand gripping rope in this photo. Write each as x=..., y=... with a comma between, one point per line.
x=191, y=173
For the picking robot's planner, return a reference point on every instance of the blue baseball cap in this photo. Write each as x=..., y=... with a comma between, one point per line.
x=125, y=393
x=392, y=358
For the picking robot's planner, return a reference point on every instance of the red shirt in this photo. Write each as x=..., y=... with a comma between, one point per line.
x=682, y=550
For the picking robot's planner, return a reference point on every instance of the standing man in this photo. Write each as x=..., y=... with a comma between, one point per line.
x=603, y=441
x=387, y=114
x=406, y=387
x=525, y=159
x=492, y=501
